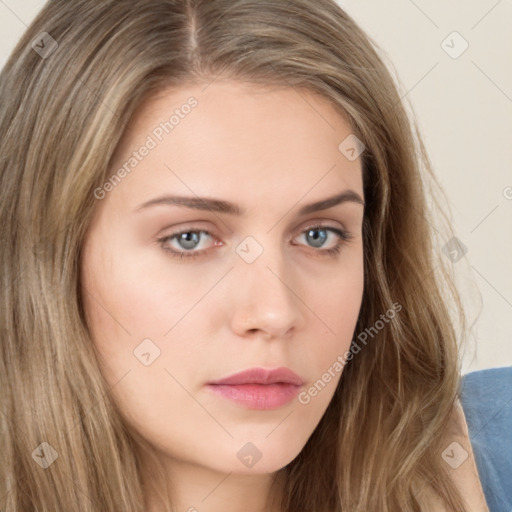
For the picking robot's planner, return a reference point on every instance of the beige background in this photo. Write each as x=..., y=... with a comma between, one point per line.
x=463, y=102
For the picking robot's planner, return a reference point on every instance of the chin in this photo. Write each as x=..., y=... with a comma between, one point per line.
x=254, y=458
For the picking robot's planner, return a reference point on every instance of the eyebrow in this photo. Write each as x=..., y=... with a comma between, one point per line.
x=219, y=206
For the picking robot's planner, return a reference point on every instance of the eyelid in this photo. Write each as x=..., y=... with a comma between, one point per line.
x=319, y=223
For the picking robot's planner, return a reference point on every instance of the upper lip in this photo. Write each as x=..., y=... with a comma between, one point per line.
x=262, y=376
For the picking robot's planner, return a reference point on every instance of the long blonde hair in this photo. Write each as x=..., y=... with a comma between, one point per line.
x=68, y=91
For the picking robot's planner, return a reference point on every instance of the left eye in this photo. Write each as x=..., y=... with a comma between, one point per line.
x=316, y=237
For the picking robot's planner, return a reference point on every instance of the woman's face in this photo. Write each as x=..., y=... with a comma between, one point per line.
x=219, y=249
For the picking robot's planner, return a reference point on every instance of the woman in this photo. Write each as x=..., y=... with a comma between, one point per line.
x=219, y=289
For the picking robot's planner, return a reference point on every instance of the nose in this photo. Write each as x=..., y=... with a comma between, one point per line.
x=267, y=299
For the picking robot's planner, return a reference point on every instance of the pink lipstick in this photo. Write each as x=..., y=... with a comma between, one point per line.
x=258, y=388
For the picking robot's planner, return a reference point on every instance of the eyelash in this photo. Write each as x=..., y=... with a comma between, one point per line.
x=343, y=235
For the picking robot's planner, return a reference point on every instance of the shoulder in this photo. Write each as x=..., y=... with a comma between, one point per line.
x=486, y=399
x=457, y=454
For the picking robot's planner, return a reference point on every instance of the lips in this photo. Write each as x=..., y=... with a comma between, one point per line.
x=258, y=388
x=280, y=375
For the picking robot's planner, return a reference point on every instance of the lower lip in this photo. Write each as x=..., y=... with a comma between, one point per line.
x=257, y=396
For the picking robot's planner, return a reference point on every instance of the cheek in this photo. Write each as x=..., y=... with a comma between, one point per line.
x=133, y=298
x=122, y=307
x=337, y=300
x=334, y=311
x=136, y=300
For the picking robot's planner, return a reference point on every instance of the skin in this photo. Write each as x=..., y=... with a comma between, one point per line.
x=271, y=152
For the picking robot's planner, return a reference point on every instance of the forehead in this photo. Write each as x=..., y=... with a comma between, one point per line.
x=279, y=143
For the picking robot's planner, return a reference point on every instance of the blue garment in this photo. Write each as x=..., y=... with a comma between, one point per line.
x=486, y=398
